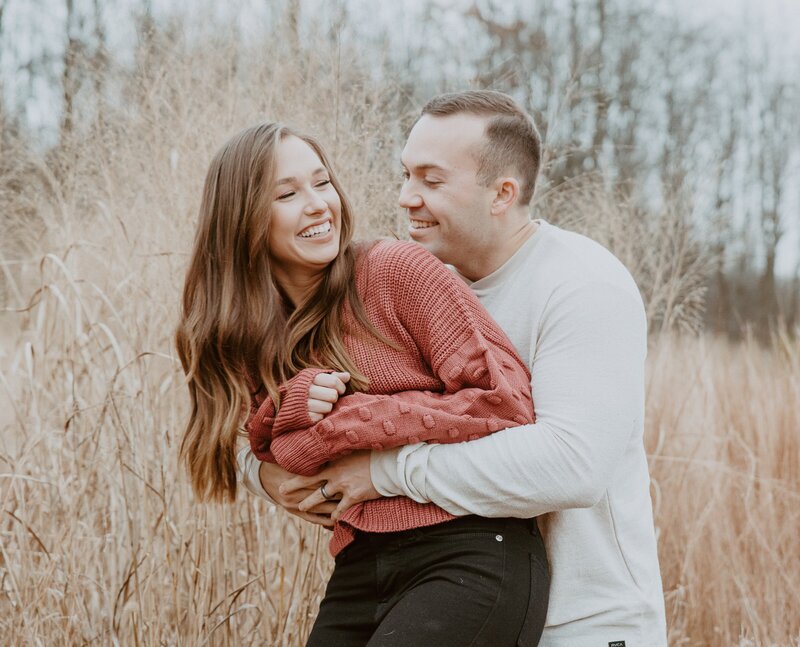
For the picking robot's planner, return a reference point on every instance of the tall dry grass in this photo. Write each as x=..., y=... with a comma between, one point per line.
x=723, y=436
x=100, y=539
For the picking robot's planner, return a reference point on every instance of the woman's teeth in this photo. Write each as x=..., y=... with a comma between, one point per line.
x=317, y=230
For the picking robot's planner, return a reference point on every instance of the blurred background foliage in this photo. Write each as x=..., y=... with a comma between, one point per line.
x=673, y=139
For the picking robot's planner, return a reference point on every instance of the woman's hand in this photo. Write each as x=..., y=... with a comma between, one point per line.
x=324, y=393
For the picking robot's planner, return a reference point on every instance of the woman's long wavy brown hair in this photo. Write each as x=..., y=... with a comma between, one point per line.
x=237, y=331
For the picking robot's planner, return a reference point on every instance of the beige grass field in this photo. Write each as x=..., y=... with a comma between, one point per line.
x=100, y=539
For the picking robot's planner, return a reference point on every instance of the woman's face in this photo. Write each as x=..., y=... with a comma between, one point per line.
x=306, y=213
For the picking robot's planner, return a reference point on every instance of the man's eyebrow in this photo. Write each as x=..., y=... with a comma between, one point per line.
x=292, y=179
x=429, y=166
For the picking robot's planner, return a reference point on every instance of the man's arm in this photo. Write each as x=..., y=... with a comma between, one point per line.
x=588, y=390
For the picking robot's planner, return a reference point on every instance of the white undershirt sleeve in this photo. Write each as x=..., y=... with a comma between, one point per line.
x=587, y=381
x=247, y=466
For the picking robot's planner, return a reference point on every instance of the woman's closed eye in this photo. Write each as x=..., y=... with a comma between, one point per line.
x=286, y=196
x=322, y=183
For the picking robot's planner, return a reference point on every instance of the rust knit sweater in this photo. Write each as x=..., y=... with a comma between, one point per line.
x=454, y=377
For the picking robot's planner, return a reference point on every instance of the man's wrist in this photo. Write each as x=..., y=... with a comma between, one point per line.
x=383, y=472
x=249, y=473
x=266, y=485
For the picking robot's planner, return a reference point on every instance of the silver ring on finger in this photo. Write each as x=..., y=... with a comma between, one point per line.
x=324, y=494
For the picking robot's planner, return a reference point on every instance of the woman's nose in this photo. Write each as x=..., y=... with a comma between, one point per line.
x=315, y=204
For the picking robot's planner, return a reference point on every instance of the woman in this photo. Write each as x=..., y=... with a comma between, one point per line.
x=276, y=295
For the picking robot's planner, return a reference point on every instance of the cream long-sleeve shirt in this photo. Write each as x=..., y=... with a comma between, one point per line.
x=575, y=314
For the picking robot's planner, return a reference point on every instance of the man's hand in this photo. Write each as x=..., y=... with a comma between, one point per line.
x=272, y=476
x=324, y=392
x=347, y=477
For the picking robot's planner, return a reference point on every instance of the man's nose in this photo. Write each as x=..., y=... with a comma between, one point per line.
x=409, y=198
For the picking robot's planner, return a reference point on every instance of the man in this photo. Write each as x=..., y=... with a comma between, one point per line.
x=574, y=313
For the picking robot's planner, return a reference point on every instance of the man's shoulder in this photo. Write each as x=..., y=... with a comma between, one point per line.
x=567, y=259
x=576, y=250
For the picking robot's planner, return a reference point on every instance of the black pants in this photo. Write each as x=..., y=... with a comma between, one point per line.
x=468, y=582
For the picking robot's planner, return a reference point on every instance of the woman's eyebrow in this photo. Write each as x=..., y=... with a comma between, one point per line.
x=291, y=179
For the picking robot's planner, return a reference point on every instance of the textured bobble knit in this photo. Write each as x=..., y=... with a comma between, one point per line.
x=455, y=376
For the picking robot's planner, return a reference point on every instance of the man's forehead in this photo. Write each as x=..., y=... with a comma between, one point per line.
x=442, y=142
x=421, y=155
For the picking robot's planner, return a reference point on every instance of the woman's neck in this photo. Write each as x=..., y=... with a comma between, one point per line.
x=297, y=287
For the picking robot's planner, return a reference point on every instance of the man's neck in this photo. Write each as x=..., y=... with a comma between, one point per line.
x=497, y=253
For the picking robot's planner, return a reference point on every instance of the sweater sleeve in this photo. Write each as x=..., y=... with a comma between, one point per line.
x=263, y=424
x=486, y=387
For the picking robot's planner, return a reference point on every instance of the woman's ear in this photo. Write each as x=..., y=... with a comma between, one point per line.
x=506, y=194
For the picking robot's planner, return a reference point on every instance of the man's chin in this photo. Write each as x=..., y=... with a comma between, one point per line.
x=435, y=247
x=421, y=239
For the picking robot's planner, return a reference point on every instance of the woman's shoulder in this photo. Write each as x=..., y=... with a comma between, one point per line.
x=389, y=256
x=406, y=273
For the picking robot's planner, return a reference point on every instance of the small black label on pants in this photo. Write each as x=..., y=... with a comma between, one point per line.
x=616, y=643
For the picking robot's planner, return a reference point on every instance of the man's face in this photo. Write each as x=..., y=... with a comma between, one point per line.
x=449, y=211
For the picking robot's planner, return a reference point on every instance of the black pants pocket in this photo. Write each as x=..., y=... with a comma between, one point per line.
x=538, y=598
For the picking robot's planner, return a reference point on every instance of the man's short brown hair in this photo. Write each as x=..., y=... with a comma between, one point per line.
x=512, y=140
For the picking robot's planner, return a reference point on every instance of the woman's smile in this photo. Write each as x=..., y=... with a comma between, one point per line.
x=318, y=231
x=305, y=224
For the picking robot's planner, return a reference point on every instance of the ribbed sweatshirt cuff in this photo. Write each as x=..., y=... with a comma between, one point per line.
x=293, y=412
x=301, y=452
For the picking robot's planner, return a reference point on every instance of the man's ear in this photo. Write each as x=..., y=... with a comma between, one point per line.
x=506, y=194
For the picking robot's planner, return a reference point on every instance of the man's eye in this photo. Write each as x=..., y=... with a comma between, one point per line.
x=432, y=182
